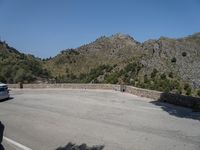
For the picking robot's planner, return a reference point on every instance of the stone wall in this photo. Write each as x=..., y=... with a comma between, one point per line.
x=68, y=86
x=143, y=92
x=181, y=100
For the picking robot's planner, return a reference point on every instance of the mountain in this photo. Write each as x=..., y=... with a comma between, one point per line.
x=105, y=50
x=17, y=67
x=164, y=64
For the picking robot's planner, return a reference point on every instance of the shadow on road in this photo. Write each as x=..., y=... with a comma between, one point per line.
x=71, y=146
x=7, y=99
x=1, y=135
x=1, y=147
x=178, y=111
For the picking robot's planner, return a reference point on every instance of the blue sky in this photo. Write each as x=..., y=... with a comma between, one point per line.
x=44, y=27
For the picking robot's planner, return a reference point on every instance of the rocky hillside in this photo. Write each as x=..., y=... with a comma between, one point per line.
x=105, y=50
x=18, y=67
x=179, y=56
x=164, y=64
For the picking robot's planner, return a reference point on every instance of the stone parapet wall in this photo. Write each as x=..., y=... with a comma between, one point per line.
x=181, y=100
x=68, y=86
x=143, y=92
x=14, y=86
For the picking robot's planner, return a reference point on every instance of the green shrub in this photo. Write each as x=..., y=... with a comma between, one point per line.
x=112, y=78
x=66, y=70
x=130, y=67
x=2, y=79
x=153, y=74
x=189, y=91
x=171, y=75
x=82, y=76
x=173, y=60
x=94, y=74
x=186, y=86
x=184, y=54
x=163, y=76
x=133, y=67
x=71, y=51
x=146, y=80
x=198, y=93
x=23, y=76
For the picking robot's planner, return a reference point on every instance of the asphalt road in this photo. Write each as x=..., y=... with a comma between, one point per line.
x=45, y=119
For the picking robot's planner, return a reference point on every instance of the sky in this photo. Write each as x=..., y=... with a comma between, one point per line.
x=45, y=27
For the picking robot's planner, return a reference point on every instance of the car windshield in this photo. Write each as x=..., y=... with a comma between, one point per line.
x=3, y=88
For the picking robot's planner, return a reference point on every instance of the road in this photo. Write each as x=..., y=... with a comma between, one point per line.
x=44, y=119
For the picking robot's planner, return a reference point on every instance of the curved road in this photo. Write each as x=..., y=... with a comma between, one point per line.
x=44, y=119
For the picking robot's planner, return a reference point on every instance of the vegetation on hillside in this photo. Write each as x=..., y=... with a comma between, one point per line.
x=129, y=75
x=17, y=67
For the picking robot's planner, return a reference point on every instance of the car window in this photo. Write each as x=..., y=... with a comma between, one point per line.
x=2, y=89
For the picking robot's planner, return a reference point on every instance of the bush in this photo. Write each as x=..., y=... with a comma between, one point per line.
x=184, y=54
x=71, y=51
x=146, y=79
x=112, y=78
x=133, y=67
x=163, y=84
x=2, y=79
x=66, y=70
x=130, y=67
x=163, y=76
x=171, y=75
x=173, y=60
x=186, y=86
x=153, y=74
x=82, y=76
x=94, y=74
x=198, y=93
x=23, y=76
x=188, y=89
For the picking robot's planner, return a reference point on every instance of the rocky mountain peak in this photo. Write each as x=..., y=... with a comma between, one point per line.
x=122, y=36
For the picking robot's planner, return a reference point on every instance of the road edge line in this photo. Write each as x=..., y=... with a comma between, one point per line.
x=16, y=144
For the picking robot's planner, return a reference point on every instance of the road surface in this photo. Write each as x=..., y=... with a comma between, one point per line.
x=44, y=119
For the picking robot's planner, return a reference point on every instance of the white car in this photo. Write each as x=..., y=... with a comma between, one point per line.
x=4, y=92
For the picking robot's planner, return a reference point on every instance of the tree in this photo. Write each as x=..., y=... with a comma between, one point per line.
x=20, y=75
x=23, y=76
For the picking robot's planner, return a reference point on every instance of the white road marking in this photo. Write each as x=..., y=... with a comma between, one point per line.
x=18, y=145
